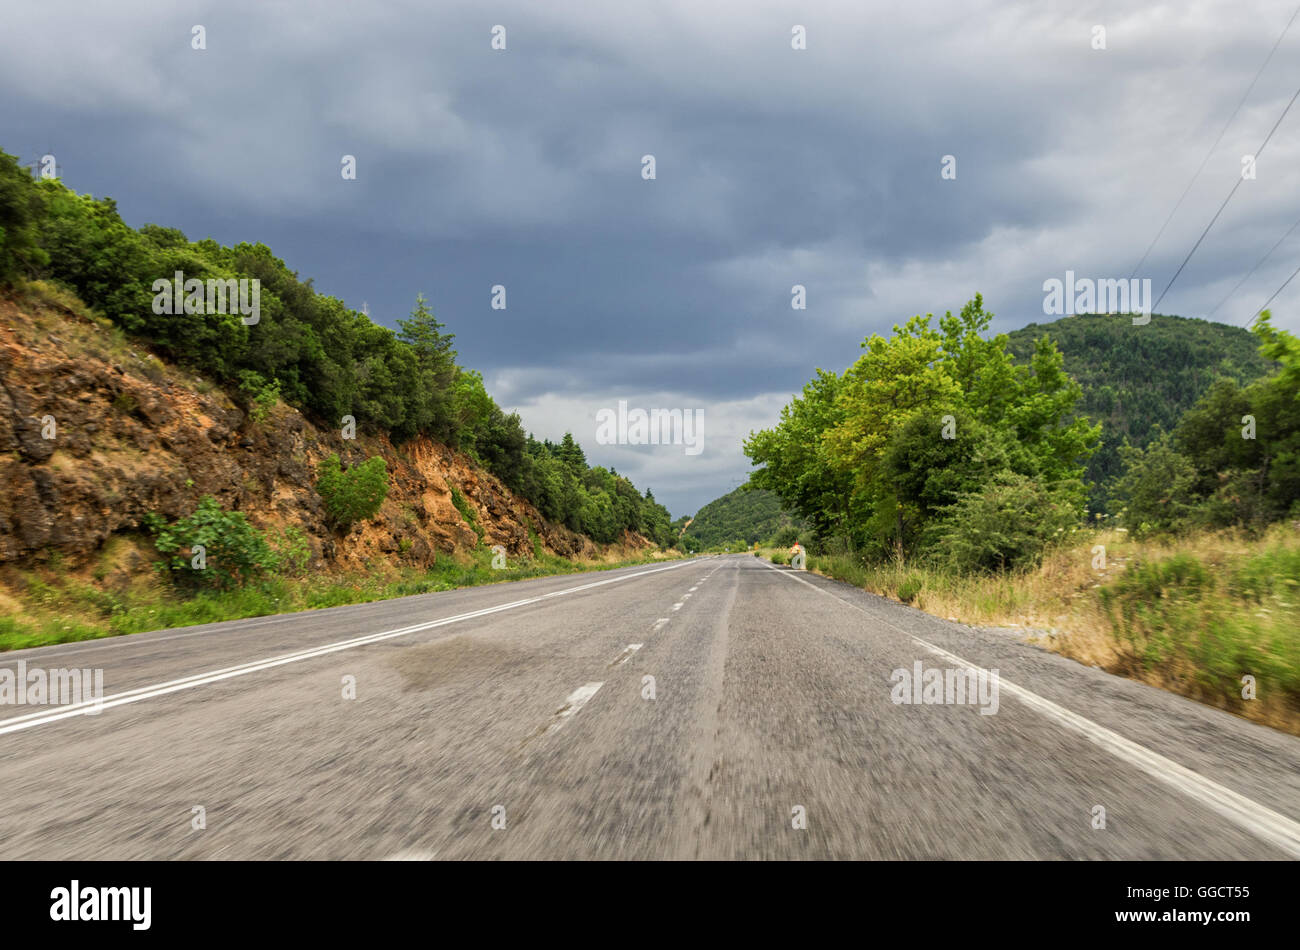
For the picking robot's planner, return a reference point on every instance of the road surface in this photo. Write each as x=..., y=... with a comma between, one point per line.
x=517, y=721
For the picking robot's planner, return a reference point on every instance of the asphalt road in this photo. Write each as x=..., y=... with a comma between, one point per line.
x=516, y=721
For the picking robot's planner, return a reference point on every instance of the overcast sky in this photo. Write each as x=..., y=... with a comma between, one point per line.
x=774, y=167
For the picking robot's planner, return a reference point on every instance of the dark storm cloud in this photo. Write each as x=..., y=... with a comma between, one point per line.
x=775, y=167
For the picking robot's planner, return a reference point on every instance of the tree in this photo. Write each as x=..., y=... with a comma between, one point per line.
x=1156, y=487
x=1244, y=443
x=924, y=418
x=422, y=331
x=431, y=396
x=310, y=349
x=1135, y=381
x=20, y=211
x=570, y=453
x=796, y=464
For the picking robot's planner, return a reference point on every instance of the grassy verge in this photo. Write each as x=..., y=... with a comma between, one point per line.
x=1194, y=615
x=49, y=606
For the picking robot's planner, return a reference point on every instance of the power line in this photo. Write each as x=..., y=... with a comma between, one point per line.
x=1201, y=168
x=1258, y=152
x=1275, y=293
x=1258, y=263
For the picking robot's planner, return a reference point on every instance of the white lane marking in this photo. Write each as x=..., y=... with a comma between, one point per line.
x=413, y=856
x=30, y=720
x=1260, y=821
x=695, y=588
x=660, y=622
x=144, y=638
x=627, y=654
x=686, y=597
x=678, y=605
x=577, y=699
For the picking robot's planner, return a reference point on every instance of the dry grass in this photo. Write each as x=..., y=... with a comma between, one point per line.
x=1192, y=614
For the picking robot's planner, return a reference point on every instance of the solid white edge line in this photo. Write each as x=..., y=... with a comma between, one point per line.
x=92, y=707
x=1259, y=820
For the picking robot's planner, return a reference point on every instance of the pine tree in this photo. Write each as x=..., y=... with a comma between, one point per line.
x=422, y=331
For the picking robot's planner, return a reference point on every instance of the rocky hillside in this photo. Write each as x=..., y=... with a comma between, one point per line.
x=96, y=433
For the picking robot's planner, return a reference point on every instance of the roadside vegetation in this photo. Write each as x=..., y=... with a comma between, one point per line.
x=942, y=471
x=742, y=516
x=50, y=604
x=1191, y=613
x=308, y=349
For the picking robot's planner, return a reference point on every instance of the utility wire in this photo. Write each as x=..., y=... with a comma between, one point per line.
x=1258, y=264
x=1222, y=131
x=1258, y=152
x=1270, y=299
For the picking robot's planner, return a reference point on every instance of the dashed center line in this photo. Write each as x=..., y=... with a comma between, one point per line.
x=413, y=855
x=577, y=699
x=31, y=720
x=660, y=622
x=627, y=654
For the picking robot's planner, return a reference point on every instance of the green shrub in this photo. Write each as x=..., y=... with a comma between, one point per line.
x=1212, y=623
x=234, y=552
x=910, y=587
x=125, y=403
x=1007, y=524
x=292, y=550
x=786, y=536
x=354, y=494
x=261, y=395
x=52, y=295
x=466, y=511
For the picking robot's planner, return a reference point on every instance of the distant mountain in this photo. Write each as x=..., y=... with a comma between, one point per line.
x=747, y=515
x=1137, y=377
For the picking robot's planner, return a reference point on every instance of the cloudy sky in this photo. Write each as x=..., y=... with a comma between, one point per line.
x=774, y=167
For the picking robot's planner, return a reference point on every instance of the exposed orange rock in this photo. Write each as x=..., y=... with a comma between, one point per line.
x=133, y=435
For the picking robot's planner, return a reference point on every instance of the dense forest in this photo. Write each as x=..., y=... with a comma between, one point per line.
x=744, y=515
x=1138, y=381
x=939, y=443
x=307, y=348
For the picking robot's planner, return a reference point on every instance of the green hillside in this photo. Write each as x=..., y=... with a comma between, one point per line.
x=312, y=350
x=746, y=514
x=1135, y=378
